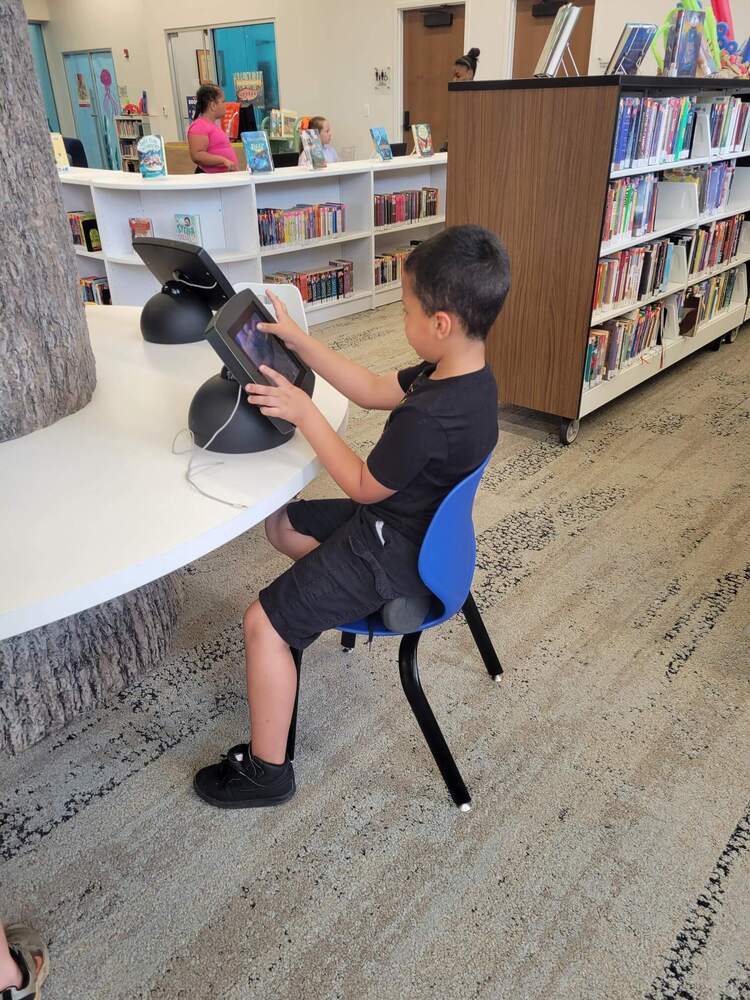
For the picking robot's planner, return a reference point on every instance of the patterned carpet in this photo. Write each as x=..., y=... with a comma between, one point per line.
x=607, y=854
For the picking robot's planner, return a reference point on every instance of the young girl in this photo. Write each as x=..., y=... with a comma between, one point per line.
x=465, y=67
x=324, y=128
x=210, y=148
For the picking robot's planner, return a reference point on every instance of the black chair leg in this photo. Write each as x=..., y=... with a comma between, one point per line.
x=481, y=638
x=407, y=663
x=291, y=738
x=348, y=641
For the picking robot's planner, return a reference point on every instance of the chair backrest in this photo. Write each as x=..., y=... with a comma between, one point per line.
x=448, y=552
x=289, y=295
x=76, y=152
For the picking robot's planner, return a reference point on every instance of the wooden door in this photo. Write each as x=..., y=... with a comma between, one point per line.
x=531, y=34
x=429, y=54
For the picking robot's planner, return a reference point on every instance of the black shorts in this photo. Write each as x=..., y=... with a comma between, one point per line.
x=359, y=565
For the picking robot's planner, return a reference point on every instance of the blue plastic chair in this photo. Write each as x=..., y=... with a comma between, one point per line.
x=446, y=565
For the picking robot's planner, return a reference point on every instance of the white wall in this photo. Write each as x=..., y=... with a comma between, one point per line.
x=610, y=17
x=36, y=10
x=327, y=51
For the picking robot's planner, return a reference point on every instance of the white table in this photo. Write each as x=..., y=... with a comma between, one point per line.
x=97, y=505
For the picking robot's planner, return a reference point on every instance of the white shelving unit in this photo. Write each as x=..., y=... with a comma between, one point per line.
x=228, y=204
x=677, y=208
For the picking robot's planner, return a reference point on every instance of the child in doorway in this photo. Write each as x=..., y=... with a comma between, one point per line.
x=324, y=128
x=356, y=556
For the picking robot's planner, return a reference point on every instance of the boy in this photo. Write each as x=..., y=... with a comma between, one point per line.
x=357, y=556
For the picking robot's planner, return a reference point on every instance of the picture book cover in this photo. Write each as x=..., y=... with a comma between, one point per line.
x=151, y=158
x=288, y=123
x=58, y=148
x=231, y=120
x=313, y=147
x=90, y=233
x=275, y=123
x=381, y=143
x=257, y=152
x=422, y=139
x=634, y=43
x=188, y=228
x=689, y=43
x=140, y=226
x=249, y=88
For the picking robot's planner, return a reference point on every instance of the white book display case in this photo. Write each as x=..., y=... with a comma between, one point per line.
x=227, y=205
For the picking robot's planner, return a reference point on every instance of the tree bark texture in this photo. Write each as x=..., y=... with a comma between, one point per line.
x=56, y=673
x=47, y=367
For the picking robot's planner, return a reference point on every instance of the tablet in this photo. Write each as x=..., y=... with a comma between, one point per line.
x=234, y=335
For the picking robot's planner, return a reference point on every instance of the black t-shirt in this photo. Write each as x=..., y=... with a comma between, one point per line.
x=441, y=431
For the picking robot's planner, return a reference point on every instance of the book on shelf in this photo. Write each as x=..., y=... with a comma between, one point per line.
x=389, y=266
x=257, y=152
x=631, y=48
x=728, y=119
x=684, y=42
x=422, y=134
x=59, y=151
x=140, y=226
x=230, y=123
x=630, y=210
x=84, y=230
x=302, y=222
x=129, y=128
x=321, y=284
x=709, y=246
x=405, y=206
x=188, y=228
x=713, y=183
x=152, y=160
x=95, y=290
x=274, y=123
x=616, y=344
x=651, y=131
x=381, y=143
x=713, y=296
x=313, y=147
x=634, y=274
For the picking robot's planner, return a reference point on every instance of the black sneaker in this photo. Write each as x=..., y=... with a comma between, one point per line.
x=242, y=781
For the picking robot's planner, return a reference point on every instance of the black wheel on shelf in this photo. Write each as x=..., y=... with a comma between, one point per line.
x=569, y=430
x=715, y=344
x=731, y=336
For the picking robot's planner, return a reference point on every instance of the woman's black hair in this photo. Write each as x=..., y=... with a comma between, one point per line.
x=469, y=60
x=206, y=93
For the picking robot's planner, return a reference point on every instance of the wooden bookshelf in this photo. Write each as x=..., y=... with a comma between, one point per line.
x=532, y=160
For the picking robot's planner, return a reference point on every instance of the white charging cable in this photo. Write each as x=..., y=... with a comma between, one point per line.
x=190, y=471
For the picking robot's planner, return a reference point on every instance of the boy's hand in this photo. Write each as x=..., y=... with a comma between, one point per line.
x=284, y=328
x=282, y=399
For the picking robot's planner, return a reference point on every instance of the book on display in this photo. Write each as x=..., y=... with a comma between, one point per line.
x=257, y=152
x=422, y=134
x=557, y=40
x=380, y=141
x=152, y=160
x=313, y=147
x=188, y=228
x=634, y=43
x=60, y=152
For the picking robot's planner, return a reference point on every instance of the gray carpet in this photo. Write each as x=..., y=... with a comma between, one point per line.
x=607, y=852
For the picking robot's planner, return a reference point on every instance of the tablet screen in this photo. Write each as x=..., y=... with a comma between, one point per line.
x=264, y=348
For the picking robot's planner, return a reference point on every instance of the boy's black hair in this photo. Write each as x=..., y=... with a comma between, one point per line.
x=464, y=270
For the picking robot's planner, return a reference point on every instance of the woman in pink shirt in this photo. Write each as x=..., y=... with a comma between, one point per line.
x=210, y=148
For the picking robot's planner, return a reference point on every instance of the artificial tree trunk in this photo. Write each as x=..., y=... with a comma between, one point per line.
x=52, y=674
x=46, y=363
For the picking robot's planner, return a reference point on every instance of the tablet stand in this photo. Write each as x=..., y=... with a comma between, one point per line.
x=248, y=431
x=178, y=314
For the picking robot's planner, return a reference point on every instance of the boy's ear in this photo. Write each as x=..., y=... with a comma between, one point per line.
x=443, y=324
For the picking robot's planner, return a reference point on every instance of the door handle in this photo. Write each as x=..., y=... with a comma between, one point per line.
x=407, y=121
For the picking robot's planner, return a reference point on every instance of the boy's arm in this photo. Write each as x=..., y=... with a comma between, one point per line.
x=363, y=387
x=288, y=402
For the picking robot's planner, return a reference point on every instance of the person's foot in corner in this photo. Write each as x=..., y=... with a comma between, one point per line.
x=30, y=955
x=243, y=781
